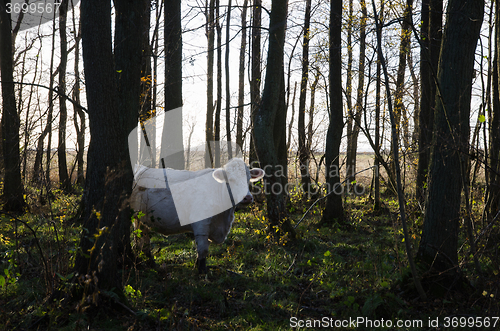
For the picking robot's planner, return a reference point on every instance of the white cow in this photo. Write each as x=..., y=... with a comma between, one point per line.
x=209, y=194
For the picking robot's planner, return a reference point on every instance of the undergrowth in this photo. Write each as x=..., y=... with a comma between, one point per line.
x=327, y=274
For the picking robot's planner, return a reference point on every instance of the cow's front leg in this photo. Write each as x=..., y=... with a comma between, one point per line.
x=202, y=248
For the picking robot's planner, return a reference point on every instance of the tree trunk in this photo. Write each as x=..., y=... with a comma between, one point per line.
x=255, y=81
x=302, y=148
x=218, y=102
x=228, y=91
x=147, y=110
x=270, y=126
x=404, y=48
x=113, y=94
x=37, y=167
x=241, y=79
x=79, y=128
x=290, y=125
x=172, y=130
x=439, y=242
x=64, y=179
x=312, y=108
x=13, y=187
x=494, y=120
x=334, y=211
x=430, y=39
x=209, y=125
x=352, y=144
x=131, y=32
x=376, y=203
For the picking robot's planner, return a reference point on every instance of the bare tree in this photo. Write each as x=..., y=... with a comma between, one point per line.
x=270, y=126
x=210, y=31
x=13, y=187
x=228, y=90
x=334, y=211
x=354, y=120
x=430, y=45
x=218, y=102
x=439, y=243
x=113, y=95
x=79, y=128
x=172, y=132
x=255, y=79
x=63, y=111
x=241, y=78
x=302, y=148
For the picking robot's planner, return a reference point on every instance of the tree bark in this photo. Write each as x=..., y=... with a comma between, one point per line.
x=256, y=75
x=172, y=132
x=241, y=79
x=209, y=125
x=270, y=126
x=228, y=90
x=303, y=152
x=430, y=39
x=64, y=179
x=352, y=143
x=79, y=128
x=113, y=94
x=493, y=201
x=404, y=48
x=13, y=187
x=439, y=242
x=290, y=125
x=334, y=211
x=218, y=102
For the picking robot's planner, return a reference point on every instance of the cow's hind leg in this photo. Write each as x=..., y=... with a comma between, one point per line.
x=202, y=248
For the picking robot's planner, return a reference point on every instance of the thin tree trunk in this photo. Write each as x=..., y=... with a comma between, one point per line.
x=228, y=90
x=348, y=89
x=79, y=128
x=352, y=144
x=302, y=148
x=404, y=48
x=310, y=131
x=218, y=102
x=395, y=151
x=255, y=82
x=290, y=125
x=241, y=78
x=209, y=125
x=48, y=153
x=148, y=110
x=376, y=203
x=63, y=111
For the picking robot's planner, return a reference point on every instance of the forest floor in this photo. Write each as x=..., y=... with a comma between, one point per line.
x=342, y=278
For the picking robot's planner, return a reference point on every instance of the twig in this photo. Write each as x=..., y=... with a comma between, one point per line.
x=401, y=203
x=37, y=245
x=345, y=180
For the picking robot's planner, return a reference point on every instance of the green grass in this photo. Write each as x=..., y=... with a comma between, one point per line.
x=253, y=283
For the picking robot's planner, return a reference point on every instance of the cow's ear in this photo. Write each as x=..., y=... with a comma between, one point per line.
x=218, y=175
x=256, y=174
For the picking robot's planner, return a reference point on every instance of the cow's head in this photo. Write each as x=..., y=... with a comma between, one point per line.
x=239, y=176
